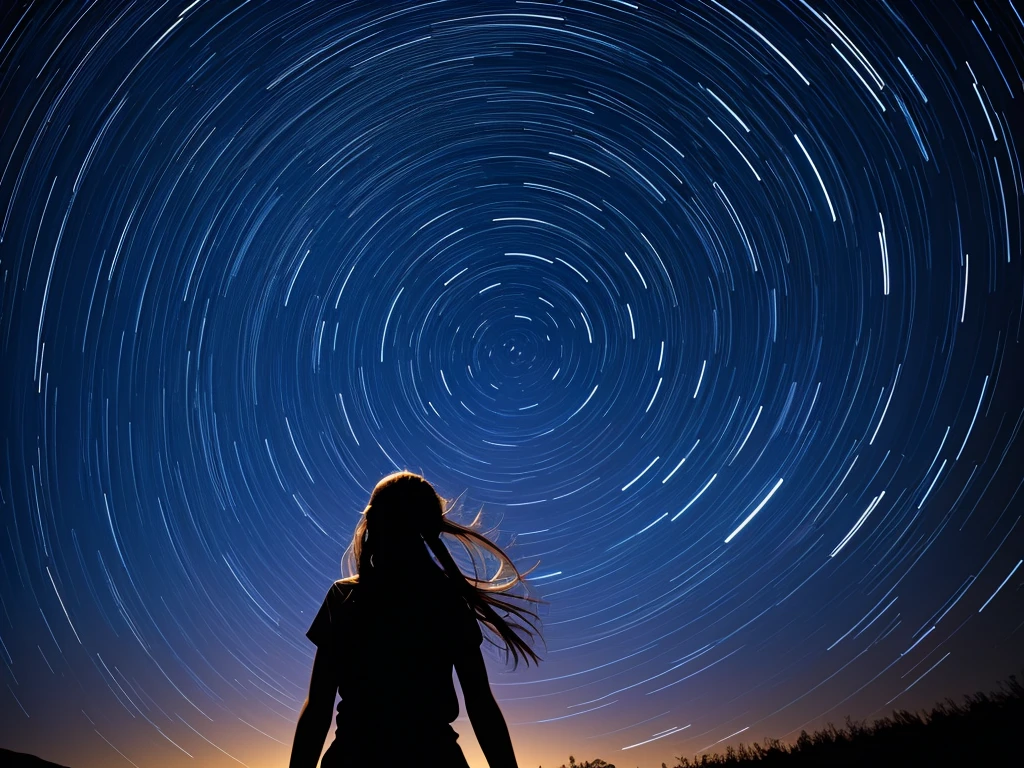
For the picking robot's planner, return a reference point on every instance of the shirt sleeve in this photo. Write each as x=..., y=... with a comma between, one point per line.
x=324, y=628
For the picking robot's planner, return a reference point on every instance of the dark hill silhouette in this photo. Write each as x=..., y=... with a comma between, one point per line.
x=11, y=759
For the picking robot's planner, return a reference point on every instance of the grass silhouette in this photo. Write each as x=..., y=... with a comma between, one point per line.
x=983, y=730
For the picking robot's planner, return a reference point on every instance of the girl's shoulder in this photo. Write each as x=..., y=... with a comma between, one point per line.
x=343, y=590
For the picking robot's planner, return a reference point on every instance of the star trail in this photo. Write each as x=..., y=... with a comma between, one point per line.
x=714, y=308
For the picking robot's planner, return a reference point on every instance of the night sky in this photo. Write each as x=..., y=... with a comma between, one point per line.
x=714, y=308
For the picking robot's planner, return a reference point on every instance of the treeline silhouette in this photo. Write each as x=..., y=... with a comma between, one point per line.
x=984, y=730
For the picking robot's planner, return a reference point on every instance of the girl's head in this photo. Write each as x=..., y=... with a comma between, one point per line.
x=403, y=523
x=404, y=504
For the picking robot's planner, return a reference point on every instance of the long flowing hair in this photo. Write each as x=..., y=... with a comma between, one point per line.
x=405, y=506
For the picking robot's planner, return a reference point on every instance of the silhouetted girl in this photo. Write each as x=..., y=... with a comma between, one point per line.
x=388, y=636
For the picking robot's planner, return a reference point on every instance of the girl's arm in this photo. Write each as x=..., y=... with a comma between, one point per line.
x=484, y=713
x=315, y=718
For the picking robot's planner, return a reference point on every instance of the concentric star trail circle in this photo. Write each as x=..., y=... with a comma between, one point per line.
x=714, y=308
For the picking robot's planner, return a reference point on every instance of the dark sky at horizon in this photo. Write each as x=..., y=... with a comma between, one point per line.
x=714, y=308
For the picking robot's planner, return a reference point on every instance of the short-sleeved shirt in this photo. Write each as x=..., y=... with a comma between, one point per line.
x=396, y=649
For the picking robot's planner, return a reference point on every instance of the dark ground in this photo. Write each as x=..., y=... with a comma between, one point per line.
x=20, y=760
